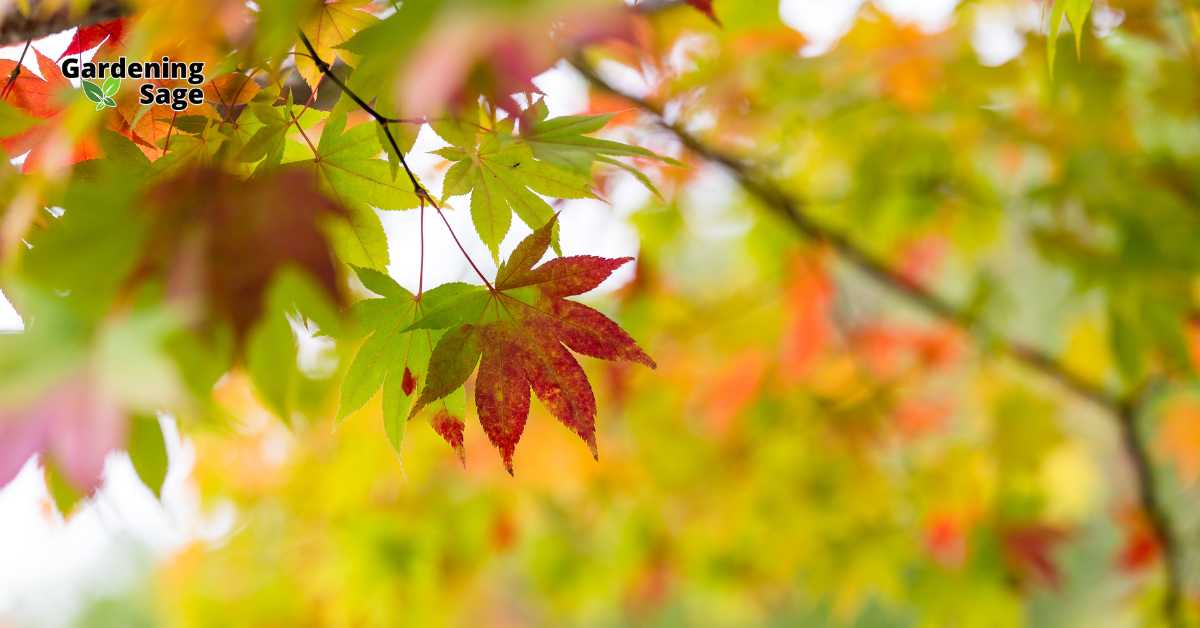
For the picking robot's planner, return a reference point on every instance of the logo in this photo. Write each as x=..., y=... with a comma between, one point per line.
x=153, y=73
x=102, y=94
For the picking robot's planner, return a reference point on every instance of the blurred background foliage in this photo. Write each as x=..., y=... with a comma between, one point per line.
x=812, y=450
x=809, y=453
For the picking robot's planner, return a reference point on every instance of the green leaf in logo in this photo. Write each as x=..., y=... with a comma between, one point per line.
x=110, y=86
x=93, y=92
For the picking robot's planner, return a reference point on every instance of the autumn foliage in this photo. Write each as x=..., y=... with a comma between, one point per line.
x=890, y=323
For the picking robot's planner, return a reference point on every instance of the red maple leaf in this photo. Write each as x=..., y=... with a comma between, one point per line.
x=111, y=34
x=523, y=330
x=450, y=428
x=40, y=98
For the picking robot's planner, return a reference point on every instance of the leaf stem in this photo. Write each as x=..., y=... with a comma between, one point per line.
x=170, y=129
x=421, y=266
x=304, y=135
x=16, y=71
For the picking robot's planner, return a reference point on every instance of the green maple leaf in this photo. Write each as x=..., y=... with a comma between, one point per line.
x=564, y=142
x=351, y=171
x=392, y=357
x=505, y=173
x=503, y=177
x=1076, y=12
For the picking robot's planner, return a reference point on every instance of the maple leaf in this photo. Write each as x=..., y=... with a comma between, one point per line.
x=39, y=97
x=506, y=173
x=503, y=177
x=450, y=428
x=564, y=142
x=231, y=90
x=330, y=27
x=389, y=358
x=205, y=218
x=348, y=164
x=111, y=34
x=519, y=333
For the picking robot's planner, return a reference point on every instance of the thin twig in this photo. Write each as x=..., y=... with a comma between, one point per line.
x=16, y=72
x=421, y=269
x=422, y=194
x=792, y=209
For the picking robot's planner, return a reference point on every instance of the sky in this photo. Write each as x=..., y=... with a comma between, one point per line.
x=50, y=565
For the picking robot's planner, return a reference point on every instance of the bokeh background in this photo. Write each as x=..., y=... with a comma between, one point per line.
x=812, y=450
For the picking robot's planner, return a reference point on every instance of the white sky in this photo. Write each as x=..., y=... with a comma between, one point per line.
x=49, y=567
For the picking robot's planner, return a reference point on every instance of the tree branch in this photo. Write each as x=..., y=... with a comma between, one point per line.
x=792, y=210
x=423, y=195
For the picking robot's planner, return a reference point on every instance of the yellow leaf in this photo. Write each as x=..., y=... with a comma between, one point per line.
x=329, y=28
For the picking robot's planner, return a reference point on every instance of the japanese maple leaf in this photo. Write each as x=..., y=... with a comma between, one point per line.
x=521, y=333
x=348, y=165
x=392, y=360
x=330, y=27
x=222, y=240
x=111, y=34
x=503, y=178
x=39, y=97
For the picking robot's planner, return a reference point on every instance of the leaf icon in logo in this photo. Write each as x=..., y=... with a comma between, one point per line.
x=93, y=92
x=102, y=95
x=110, y=87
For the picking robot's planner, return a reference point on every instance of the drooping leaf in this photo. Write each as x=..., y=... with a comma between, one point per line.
x=453, y=360
x=450, y=428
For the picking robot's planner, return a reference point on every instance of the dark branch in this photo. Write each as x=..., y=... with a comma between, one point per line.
x=422, y=194
x=383, y=121
x=792, y=209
